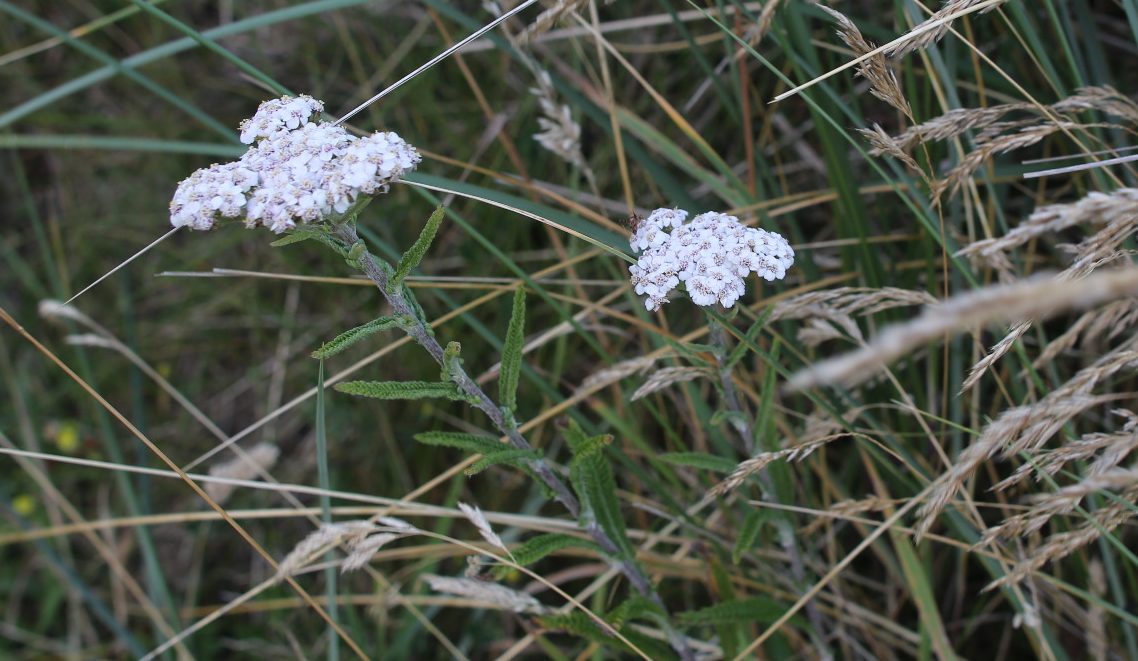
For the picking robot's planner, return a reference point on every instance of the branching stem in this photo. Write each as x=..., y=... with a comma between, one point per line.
x=346, y=233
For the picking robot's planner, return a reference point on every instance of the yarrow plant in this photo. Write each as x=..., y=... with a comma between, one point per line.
x=711, y=256
x=311, y=180
x=296, y=171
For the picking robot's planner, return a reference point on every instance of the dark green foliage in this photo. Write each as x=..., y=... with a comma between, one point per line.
x=418, y=250
x=512, y=353
x=350, y=337
x=402, y=390
x=700, y=460
x=592, y=478
x=536, y=548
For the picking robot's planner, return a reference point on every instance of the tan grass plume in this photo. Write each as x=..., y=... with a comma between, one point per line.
x=1036, y=298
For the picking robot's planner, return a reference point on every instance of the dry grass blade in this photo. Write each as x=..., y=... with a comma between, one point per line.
x=940, y=22
x=560, y=133
x=928, y=26
x=491, y=594
x=362, y=550
x=320, y=540
x=883, y=82
x=1064, y=501
x=1114, y=447
x=1096, y=209
x=804, y=448
x=615, y=373
x=1118, y=211
x=668, y=376
x=261, y=458
x=1061, y=545
x=475, y=516
x=1036, y=298
x=548, y=18
x=1029, y=426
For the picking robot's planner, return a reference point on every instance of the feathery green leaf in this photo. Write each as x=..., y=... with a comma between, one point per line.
x=541, y=546
x=512, y=353
x=402, y=390
x=509, y=456
x=592, y=479
x=469, y=442
x=350, y=337
x=415, y=253
x=759, y=610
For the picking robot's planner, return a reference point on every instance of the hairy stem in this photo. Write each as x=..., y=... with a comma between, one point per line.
x=419, y=331
x=742, y=424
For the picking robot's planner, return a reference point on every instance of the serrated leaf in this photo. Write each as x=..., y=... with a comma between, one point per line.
x=350, y=337
x=415, y=253
x=732, y=637
x=749, y=532
x=402, y=390
x=759, y=610
x=512, y=353
x=700, y=460
x=509, y=456
x=580, y=624
x=289, y=239
x=635, y=608
x=724, y=415
x=469, y=442
x=306, y=233
x=592, y=478
x=541, y=546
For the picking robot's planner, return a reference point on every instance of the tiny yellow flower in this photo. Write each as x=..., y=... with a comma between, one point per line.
x=24, y=504
x=67, y=438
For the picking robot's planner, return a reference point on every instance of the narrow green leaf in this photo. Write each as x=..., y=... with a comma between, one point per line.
x=323, y=475
x=732, y=637
x=533, y=550
x=724, y=415
x=415, y=253
x=579, y=624
x=402, y=390
x=290, y=238
x=749, y=532
x=635, y=608
x=469, y=442
x=592, y=478
x=512, y=353
x=700, y=460
x=741, y=349
x=350, y=337
x=760, y=610
x=510, y=457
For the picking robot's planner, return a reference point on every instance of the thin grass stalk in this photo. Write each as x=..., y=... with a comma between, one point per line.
x=330, y=579
x=742, y=424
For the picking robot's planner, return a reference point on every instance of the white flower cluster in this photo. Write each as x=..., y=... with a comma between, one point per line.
x=297, y=171
x=711, y=255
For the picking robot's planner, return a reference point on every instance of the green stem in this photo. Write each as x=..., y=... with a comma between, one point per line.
x=326, y=514
x=422, y=334
x=742, y=424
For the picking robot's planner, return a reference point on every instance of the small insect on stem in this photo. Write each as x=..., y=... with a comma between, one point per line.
x=356, y=251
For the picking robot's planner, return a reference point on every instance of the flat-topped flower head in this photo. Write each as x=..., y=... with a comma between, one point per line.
x=711, y=255
x=296, y=171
